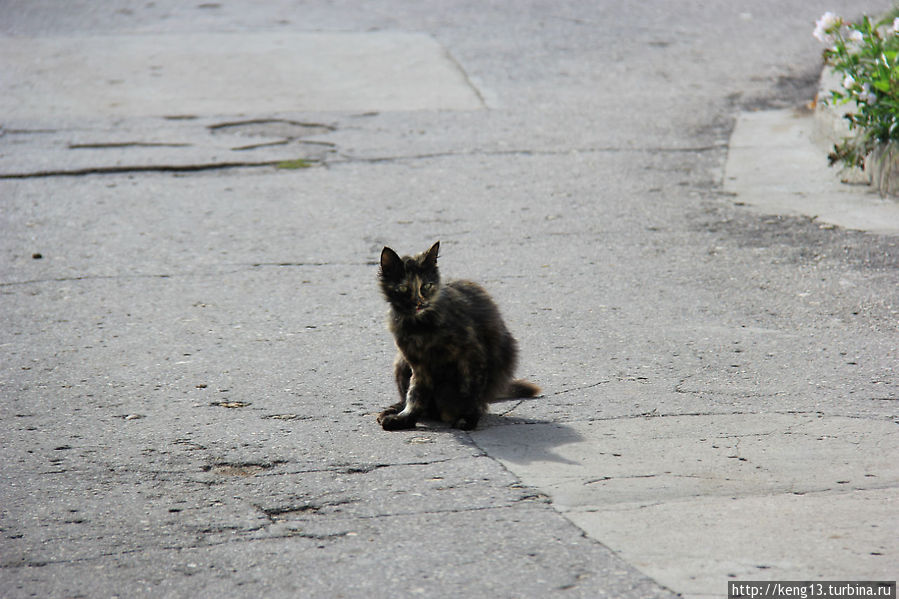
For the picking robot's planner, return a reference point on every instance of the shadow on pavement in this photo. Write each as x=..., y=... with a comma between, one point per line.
x=524, y=440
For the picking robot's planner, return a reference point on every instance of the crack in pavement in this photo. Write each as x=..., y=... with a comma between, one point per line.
x=199, y=544
x=128, y=144
x=273, y=468
x=148, y=168
x=818, y=491
x=590, y=386
x=236, y=268
x=344, y=159
x=529, y=152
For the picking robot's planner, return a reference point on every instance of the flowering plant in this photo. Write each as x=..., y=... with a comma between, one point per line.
x=865, y=53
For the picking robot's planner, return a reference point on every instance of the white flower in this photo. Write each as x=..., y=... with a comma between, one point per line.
x=896, y=24
x=848, y=82
x=867, y=95
x=856, y=36
x=827, y=21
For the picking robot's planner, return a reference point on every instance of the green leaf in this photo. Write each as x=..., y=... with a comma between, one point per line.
x=295, y=164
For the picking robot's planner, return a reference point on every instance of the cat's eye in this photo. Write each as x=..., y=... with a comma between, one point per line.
x=427, y=287
x=403, y=288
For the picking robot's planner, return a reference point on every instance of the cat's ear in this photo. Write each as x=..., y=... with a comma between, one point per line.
x=391, y=265
x=431, y=257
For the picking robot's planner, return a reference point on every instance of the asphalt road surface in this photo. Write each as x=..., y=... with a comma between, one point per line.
x=193, y=198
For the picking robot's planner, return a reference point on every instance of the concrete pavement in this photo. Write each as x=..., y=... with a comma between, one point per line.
x=194, y=349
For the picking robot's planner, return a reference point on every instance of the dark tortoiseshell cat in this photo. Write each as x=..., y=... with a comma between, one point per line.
x=455, y=352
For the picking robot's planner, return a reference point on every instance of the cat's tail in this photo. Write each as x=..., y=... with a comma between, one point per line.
x=519, y=389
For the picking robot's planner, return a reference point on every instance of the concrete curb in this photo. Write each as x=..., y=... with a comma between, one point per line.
x=777, y=163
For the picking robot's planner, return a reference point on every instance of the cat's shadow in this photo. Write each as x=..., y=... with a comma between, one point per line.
x=524, y=440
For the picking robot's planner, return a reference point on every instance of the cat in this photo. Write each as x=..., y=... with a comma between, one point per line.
x=455, y=352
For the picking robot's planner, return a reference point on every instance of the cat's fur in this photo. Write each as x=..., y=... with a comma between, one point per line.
x=455, y=352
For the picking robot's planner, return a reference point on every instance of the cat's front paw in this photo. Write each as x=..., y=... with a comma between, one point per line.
x=395, y=422
x=387, y=412
x=394, y=409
